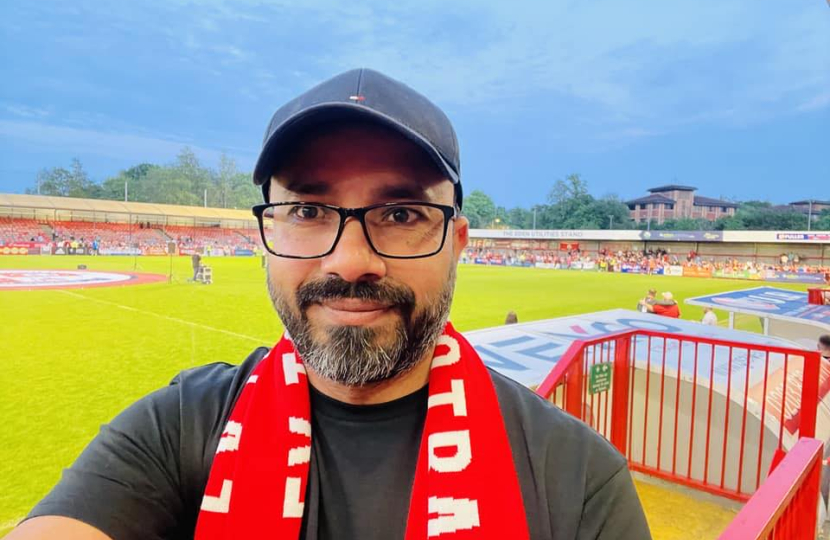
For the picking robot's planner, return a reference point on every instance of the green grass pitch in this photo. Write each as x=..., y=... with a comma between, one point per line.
x=72, y=359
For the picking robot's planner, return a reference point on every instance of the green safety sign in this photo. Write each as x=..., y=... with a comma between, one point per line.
x=600, y=380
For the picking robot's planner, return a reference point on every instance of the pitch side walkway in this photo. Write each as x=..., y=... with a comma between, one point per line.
x=675, y=513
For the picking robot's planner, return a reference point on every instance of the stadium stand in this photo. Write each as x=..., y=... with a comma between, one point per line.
x=21, y=230
x=646, y=262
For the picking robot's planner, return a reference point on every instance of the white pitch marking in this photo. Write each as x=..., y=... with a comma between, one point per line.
x=160, y=316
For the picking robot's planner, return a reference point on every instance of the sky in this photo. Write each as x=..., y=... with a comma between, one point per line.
x=731, y=97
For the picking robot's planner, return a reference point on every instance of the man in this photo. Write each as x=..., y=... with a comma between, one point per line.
x=651, y=297
x=196, y=262
x=709, y=317
x=824, y=346
x=372, y=418
x=666, y=307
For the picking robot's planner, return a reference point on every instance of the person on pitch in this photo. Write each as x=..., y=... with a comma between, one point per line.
x=372, y=417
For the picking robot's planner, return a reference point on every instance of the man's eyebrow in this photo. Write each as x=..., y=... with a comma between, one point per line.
x=307, y=187
x=408, y=191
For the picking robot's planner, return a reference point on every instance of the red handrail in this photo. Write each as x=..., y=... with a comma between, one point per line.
x=785, y=507
x=723, y=464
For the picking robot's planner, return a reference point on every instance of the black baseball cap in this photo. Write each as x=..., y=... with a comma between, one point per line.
x=369, y=95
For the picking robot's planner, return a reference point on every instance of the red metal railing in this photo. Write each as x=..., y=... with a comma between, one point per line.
x=711, y=414
x=785, y=507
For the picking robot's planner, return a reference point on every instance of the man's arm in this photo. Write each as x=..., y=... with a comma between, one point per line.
x=614, y=512
x=50, y=527
x=124, y=485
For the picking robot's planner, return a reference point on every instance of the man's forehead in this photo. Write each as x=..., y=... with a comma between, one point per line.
x=404, y=187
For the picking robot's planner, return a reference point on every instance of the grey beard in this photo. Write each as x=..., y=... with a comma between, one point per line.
x=353, y=355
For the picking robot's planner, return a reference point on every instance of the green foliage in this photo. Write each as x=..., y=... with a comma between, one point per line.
x=684, y=224
x=184, y=182
x=570, y=206
x=759, y=216
x=479, y=209
x=61, y=182
x=823, y=221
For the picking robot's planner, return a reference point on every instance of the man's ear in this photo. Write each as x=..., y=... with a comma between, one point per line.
x=461, y=235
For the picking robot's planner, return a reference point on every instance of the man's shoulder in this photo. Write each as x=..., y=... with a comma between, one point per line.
x=218, y=382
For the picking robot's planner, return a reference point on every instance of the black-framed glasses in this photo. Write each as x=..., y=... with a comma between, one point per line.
x=399, y=230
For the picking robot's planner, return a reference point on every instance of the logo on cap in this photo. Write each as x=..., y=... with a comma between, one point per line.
x=357, y=98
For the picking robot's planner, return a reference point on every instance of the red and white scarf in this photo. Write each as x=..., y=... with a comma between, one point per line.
x=465, y=484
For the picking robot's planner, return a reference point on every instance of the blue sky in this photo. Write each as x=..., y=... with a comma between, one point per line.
x=732, y=96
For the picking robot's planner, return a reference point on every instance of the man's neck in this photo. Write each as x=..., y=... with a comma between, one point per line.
x=380, y=392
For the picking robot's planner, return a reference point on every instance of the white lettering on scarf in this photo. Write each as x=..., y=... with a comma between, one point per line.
x=454, y=397
x=292, y=368
x=292, y=507
x=221, y=503
x=456, y=462
x=452, y=356
x=230, y=437
x=454, y=515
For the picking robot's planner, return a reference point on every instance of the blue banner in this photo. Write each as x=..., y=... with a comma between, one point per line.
x=767, y=301
x=683, y=236
x=794, y=277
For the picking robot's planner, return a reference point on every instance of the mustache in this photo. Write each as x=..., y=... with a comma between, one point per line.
x=337, y=288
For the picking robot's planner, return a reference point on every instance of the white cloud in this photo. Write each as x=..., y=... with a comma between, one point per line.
x=119, y=145
x=25, y=111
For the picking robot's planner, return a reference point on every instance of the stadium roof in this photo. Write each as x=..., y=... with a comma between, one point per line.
x=708, y=201
x=651, y=199
x=117, y=207
x=672, y=187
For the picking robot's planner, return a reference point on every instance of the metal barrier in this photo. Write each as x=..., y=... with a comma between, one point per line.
x=785, y=507
x=710, y=414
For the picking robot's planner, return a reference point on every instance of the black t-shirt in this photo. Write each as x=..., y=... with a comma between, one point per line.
x=144, y=475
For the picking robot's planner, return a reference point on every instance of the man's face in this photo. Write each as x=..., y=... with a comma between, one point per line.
x=356, y=317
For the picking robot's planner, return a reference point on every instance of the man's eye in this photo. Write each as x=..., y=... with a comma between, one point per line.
x=306, y=212
x=402, y=215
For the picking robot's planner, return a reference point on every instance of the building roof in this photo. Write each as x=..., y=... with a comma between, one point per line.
x=807, y=202
x=672, y=187
x=708, y=201
x=651, y=199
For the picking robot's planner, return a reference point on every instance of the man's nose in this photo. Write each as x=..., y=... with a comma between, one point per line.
x=353, y=259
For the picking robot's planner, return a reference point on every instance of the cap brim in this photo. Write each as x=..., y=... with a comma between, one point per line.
x=269, y=157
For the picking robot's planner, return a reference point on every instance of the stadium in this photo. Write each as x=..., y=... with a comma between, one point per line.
x=415, y=270
x=120, y=277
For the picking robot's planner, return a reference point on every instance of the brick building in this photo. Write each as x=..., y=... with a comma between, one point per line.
x=810, y=207
x=678, y=202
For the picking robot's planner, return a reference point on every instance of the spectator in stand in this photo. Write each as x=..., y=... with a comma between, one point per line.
x=666, y=307
x=709, y=317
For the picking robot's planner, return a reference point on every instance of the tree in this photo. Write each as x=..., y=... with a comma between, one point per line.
x=570, y=205
x=61, y=182
x=479, y=209
x=823, y=221
x=224, y=181
x=685, y=224
x=610, y=212
x=132, y=180
x=519, y=218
